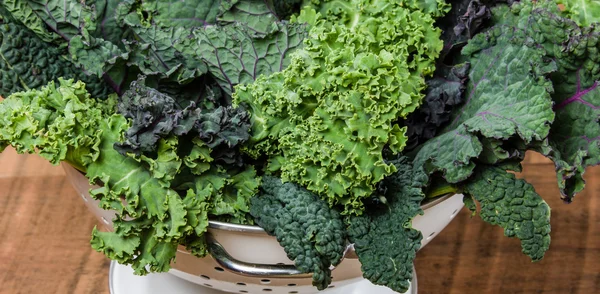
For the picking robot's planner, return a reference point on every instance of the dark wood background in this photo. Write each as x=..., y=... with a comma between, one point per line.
x=45, y=231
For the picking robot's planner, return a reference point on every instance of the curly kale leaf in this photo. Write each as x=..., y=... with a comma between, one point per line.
x=383, y=238
x=63, y=123
x=583, y=12
x=508, y=99
x=326, y=118
x=225, y=189
x=155, y=115
x=514, y=205
x=312, y=234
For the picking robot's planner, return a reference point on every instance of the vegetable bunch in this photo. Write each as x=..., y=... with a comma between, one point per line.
x=322, y=121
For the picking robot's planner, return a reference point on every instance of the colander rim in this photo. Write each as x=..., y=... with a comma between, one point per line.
x=251, y=229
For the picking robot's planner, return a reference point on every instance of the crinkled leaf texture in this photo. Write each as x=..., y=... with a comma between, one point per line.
x=445, y=91
x=118, y=39
x=325, y=119
x=513, y=205
x=583, y=12
x=507, y=99
x=383, y=238
x=312, y=234
x=575, y=135
x=27, y=62
x=155, y=115
x=63, y=123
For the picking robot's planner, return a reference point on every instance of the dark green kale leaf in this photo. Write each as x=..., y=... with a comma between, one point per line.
x=312, y=234
x=514, y=205
x=156, y=115
x=27, y=62
x=383, y=238
x=285, y=8
x=445, y=91
x=465, y=19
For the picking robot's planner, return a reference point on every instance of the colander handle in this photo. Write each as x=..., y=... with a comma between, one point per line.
x=250, y=269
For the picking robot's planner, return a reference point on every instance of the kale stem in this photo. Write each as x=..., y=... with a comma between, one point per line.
x=442, y=190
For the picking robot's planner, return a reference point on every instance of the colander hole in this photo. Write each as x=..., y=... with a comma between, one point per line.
x=454, y=212
x=241, y=284
x=280, y=263
x=267, y=290
x=104, y=220
x=265, y=281
x=84, y=198
x=291, y=285
x=431, y=236
x=205, y=277
x=331, y=286
x=208, y=285
x=243, y=291
x=293, y=292
x=219, y=269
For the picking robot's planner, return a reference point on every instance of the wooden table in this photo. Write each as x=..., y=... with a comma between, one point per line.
x=45, y=231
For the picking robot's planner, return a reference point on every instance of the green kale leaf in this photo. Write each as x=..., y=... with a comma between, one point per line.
x=325, y=119
x=27, y=62
x=507, y=99
x=575, y=134
x=513, y=205
x=583, y=12
x=383, y=238
x=312, y=234
x=63, y=123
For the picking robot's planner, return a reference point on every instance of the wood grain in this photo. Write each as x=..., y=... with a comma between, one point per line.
x=45, y=231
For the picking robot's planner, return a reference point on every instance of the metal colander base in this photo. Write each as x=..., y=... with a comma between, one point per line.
x=123, y=281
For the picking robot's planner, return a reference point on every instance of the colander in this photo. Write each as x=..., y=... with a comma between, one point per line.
x=245, y=259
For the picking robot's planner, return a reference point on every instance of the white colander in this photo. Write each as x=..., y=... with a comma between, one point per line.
x=244, y=259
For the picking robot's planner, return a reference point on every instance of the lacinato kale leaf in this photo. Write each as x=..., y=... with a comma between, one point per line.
x=312, y=234
x=513, y=205
x=27, y=62
x=384, y=240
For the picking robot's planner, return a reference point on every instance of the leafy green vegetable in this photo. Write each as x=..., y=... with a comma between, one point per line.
x=383, y=238
x=325, y=119
x=312, y=234
x=64, y=123
x=155, y=115
x=584, y=12
x=507, y=99
x=445, y=91
x=575, y=132
x=514, y=205
x=27, y=62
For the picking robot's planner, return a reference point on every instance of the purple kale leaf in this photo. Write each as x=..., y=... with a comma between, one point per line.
x=445, y=91
x=155, y=115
